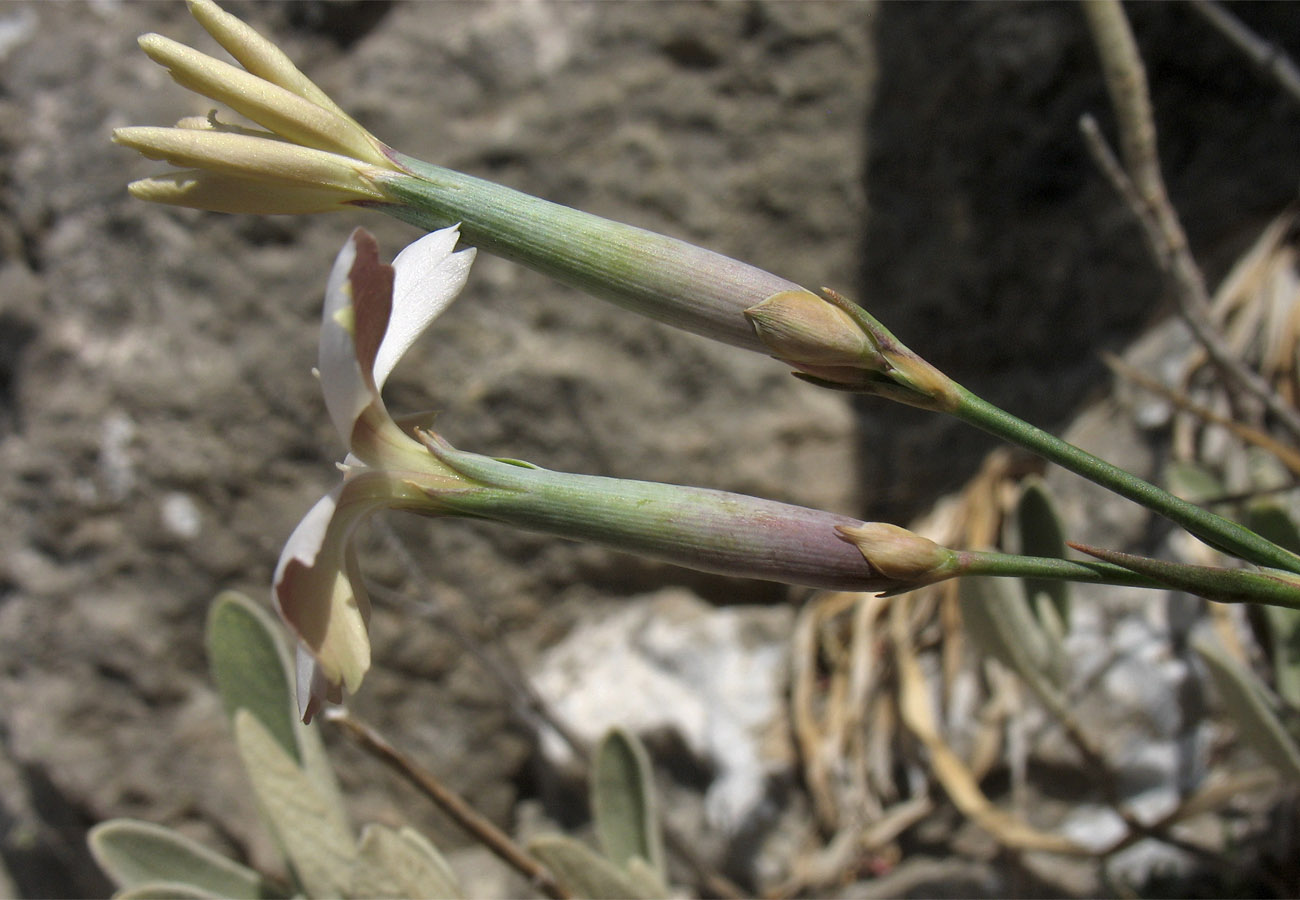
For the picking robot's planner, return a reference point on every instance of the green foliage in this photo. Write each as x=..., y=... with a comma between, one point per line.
x=295, y=788
x=398, y=864
x=623, y=801
x=310, y=829
x=1001, y=623
x=1252, y=706
x=1274, y=523
x=1193, y=481
x=251, y=667
x=136, y=855
x=627, y=827
x=584, y=873
x=1042, y=534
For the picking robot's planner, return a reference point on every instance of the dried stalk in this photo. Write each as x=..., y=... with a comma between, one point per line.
x=1266, y=56
x=450, y=803
x=1288, y=456
x=1148, y=199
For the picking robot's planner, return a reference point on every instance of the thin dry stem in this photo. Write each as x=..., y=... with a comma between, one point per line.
x=1286, y=455
x=1149, y=199
x=450, y=803
x=1266, y=56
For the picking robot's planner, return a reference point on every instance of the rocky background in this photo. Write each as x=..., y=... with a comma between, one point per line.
x=160, y=433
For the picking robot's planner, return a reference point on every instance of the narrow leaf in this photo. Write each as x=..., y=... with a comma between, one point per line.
x=1041, y=534
x=308, y=826
x=584, y=874
x=623, y=800
x=1212, y=583
x=134, y=853
x=1271, y=521
x=1247, y=701
x=1001, y=624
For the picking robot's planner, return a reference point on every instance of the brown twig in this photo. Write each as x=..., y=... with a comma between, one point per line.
x=1266, y=56
x=450, y=803
x=1148, y=198
x=1208, y=798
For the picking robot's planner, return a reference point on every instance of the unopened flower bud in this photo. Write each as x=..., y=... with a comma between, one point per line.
x=900, y=554
x=801, y=328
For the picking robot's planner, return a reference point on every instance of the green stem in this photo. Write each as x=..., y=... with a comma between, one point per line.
x=1010, y=565
x=1220, y=585
x=1213, y=529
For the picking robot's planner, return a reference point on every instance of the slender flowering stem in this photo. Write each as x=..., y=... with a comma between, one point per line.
x=1009, y=565
x=1215, y=530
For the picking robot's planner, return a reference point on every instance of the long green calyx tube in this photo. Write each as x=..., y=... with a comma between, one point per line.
x=657, y=276
x=697, y=528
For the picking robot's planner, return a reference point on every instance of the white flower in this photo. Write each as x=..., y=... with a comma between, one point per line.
x=372, y=315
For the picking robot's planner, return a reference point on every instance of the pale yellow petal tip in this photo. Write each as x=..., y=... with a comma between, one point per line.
x=196, y=189
x=212, y=17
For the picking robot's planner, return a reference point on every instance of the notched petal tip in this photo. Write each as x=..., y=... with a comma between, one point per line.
x=428, y=276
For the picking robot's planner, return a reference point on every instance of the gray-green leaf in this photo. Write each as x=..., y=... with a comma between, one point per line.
x=397, y=864
x=1041, y=534
x=585, y=874
x=308, y=825
x=999, y=621
x=623, y=801
x=251, y=667
x=1248, y=702
x=133, y=854
x=253, y=671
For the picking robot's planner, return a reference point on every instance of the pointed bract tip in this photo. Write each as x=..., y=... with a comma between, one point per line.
x=803, y=329
x=897, y=553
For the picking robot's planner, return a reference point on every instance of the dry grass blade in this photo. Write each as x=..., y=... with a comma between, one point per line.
x=1258, y=305
x=1284, y=453
x=957, y=779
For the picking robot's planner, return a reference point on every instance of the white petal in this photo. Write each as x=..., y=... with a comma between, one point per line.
x=317, y=594
x=428, y=277
x=308, y=537
x=311, y=684
x=346, y=391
